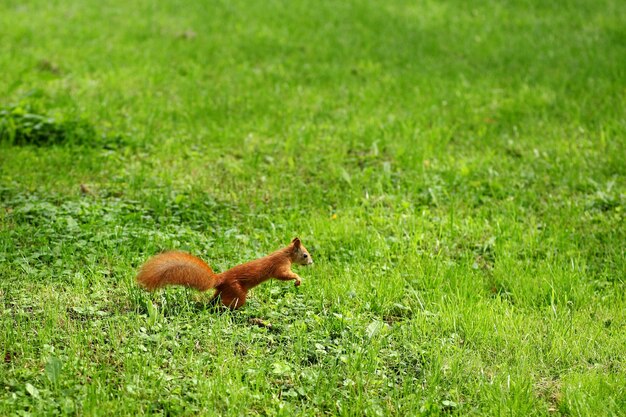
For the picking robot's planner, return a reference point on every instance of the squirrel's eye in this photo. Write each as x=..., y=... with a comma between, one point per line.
x=305, y=255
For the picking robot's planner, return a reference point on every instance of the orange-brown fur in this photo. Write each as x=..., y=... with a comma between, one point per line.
x=231, y=286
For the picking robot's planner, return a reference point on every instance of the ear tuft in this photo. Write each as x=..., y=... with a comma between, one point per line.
x=296, y=242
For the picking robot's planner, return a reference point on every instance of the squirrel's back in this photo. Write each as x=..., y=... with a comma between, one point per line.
x=176, y=268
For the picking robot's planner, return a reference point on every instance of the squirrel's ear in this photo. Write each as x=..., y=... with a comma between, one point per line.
x=296, y=242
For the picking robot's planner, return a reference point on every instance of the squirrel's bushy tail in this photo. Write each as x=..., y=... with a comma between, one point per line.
x=176, y=268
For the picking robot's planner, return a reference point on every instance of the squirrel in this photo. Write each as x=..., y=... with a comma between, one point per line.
x=232, y=286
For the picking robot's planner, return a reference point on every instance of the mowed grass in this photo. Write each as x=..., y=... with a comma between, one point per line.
x=457, y=169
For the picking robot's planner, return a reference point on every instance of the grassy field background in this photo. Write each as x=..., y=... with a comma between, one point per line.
x=457, y=169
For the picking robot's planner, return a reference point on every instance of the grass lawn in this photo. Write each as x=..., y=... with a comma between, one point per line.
x=457, y=169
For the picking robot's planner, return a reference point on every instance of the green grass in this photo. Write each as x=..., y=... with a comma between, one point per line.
x=458, y=170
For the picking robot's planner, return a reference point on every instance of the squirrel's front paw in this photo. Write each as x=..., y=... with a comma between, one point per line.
x=297, y=283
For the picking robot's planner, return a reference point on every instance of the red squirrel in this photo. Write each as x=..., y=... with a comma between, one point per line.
x=231, y=286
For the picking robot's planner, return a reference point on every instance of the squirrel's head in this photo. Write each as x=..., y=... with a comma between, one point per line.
x=299, y=254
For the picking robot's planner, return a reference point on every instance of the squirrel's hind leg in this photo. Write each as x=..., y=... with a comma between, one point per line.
x=232, y=297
